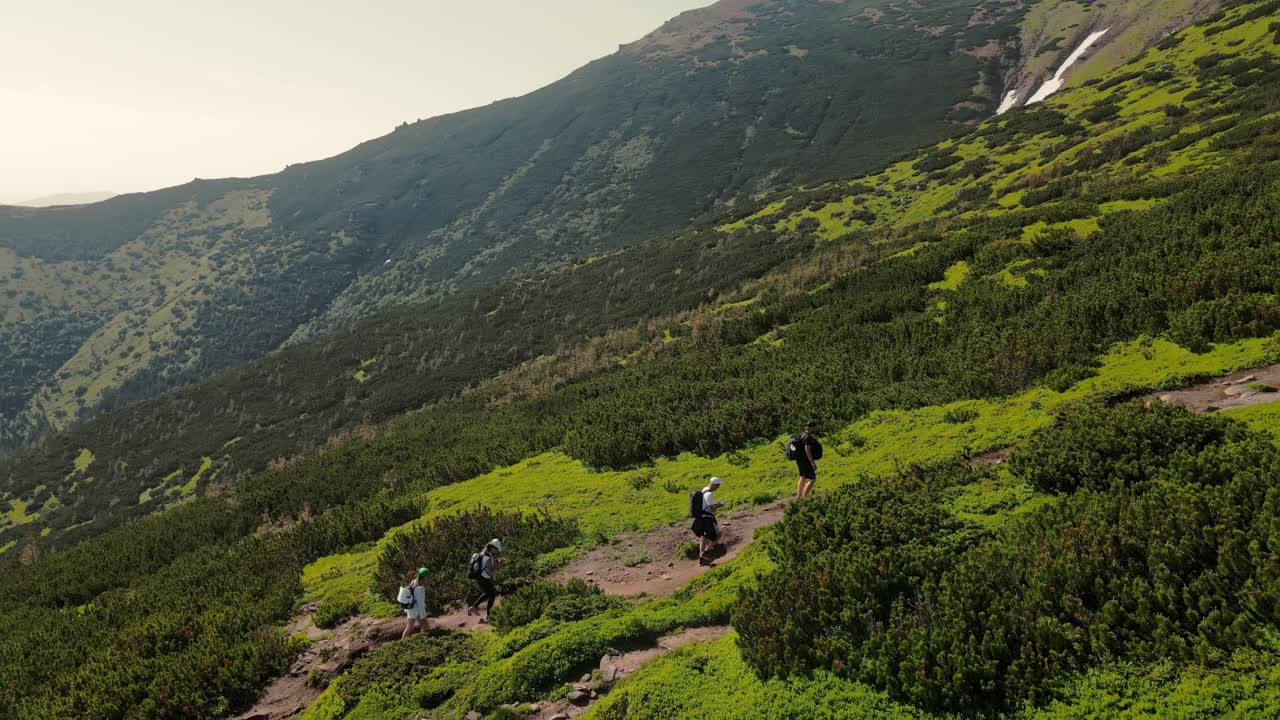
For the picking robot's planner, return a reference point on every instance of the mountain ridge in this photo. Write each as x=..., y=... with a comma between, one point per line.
x=626, y=148
x=121, y=300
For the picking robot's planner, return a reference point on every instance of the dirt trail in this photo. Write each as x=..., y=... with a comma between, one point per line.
x=331, y=653
x=647, y=563
x=1237, y=390
x=614, y=668
x=634, y=564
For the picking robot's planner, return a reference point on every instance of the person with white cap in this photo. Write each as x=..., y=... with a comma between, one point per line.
x=704, y=508
x=482, y=568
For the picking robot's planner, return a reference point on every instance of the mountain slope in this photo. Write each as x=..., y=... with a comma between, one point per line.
x=1117, y=239
x=122, y=299
x=84, y=198
x=1116, y=132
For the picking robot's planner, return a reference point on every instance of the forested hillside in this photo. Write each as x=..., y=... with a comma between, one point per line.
x=1007, y=289
x=117, y=301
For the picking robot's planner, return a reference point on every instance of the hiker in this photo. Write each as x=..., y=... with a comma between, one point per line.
x=805, y=450
x=482, y=567
x=413, y=598
x=703, y=506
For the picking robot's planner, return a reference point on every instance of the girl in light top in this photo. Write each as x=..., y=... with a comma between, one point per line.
x=417, y=614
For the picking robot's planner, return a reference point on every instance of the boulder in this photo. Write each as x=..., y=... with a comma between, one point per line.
x=579, y=698
x=608, y=671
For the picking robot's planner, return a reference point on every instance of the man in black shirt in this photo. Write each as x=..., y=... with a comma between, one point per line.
x=806, y=465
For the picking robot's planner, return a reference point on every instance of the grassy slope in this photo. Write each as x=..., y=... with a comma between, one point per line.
x=903, y=195
x=607, y=503
x=610, y=502
x=526, y=665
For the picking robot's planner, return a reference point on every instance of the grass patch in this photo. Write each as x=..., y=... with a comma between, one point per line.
x=190, y=486
x=1265, y=417
x=952, y=278
x=83, y=460
x=17, y=513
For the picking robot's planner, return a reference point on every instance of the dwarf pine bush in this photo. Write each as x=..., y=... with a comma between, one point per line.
x=446, y=544
x=1175, y=554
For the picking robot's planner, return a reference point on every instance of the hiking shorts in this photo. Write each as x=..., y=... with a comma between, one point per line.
x=706, y=527
x=807, y=471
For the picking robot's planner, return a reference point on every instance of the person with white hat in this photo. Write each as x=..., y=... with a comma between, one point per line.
x=482, y=568
x=704, y=519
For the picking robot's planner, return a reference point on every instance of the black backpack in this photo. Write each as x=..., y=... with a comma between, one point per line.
x=695, y=503
x=475, y=566
x=795, y=448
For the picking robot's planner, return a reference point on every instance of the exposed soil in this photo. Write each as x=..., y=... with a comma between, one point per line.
x=1224, y=393
x=995, y=457
x=1230, y=392
x=614, y=668
x=647, y=563
x=331, y=653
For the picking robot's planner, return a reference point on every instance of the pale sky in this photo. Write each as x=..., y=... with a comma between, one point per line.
x=130, y=95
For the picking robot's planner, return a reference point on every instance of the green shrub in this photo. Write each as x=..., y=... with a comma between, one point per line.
x=841, y=564
x=1234, y=316
x=687, y=550
x=334, y=610
x=446, y=545
x=960, y=416
x=399, y=666
x=1183, y=566
x=1094, y=447
x=567, y=602
x=1064, y=378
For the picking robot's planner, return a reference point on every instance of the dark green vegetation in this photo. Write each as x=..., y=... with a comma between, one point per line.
x=451, y=540
x=297, y=399
x=141, y=293
x=168, y=617
x=1167, y=555
x=567, y=602
x=946, y=297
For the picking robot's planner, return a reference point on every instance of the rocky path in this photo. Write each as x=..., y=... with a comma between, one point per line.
x=634, y=564
x=1237, y=390
x=330, y=654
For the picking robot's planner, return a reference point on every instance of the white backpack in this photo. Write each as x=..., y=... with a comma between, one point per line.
x=407, y=597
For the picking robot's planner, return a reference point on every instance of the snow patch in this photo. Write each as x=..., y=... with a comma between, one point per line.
x=1010, y=99
x=1054, y=85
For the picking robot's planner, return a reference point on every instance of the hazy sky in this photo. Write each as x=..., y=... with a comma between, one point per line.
x=129, y=95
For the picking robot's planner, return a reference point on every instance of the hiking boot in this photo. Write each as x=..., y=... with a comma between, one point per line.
x=704, y=560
